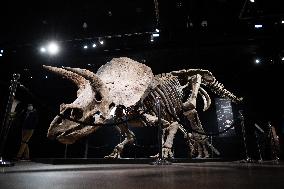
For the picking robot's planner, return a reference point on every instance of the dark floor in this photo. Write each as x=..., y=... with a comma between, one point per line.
x=122, y=176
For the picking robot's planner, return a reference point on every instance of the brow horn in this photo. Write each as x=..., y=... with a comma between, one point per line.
x=92, y=77
x=76, y=78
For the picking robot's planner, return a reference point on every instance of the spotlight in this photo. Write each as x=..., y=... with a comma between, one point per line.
x=282, y=58
x=53, y=48
x=157, y=30
x=257, y=61
x=94, y=45
x=85, y=46
x=1, y=52
x=282, y=21
x=101, y=42
x=252, y=1
x=46, y=77
x=152, y=38
x=43, y=50
x=258, y=26
x=155, y=35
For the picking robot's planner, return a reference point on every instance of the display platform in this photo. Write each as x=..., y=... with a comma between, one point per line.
x=205, y=175
x=58, y=161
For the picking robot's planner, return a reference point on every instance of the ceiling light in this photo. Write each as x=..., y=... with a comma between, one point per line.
x=53, y=48
x=152, y=38
x=155, y=35
x=42, y=50
x=258, y=25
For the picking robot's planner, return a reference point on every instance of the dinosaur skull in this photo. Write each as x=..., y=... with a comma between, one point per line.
x=91, y=106
x=120, y=82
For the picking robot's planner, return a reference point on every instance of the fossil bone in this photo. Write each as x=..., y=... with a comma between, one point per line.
x=131, y=88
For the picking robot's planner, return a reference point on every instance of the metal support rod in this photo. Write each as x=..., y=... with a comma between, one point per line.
x=160, y=132
x=243, y=9
x=248, y=159
x=211, y=143
x=7, y=120
x=258, y=146
x=65, y=151
x=86, y=148
x=161, y=160
x=157, y=14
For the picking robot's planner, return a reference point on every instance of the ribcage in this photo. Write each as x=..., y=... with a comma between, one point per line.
x=170, y=94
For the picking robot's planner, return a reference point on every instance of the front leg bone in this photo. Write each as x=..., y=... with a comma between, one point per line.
x=201, y=141
x=166, y=149
x=196, y=125
x=129, y=139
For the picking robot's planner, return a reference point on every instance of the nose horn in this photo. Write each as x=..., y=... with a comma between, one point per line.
x=52, y=132
x=51, y=136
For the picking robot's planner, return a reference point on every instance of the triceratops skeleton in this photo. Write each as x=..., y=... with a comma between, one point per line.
x=124, y=84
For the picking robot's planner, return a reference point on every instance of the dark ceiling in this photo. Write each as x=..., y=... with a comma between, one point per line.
x=31, y=22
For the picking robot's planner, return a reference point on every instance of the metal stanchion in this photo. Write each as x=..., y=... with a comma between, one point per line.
x=248, y=159
x=211, y=143
x=7, y=120
x=65, y=151
x=86, y=148
x=258, y=141
x=258, y=147
x=160, y=160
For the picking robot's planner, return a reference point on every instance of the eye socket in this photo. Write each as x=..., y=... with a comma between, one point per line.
x=67, y=112
x=74, y=113
x=98, y=97
x=77, y=113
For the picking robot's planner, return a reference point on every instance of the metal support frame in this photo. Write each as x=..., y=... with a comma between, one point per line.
x=86, y=148
x=258, y=147
x=247, y=158
x=7, y=120
x=65, y=151
x=160, y=160
x=211, y=143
